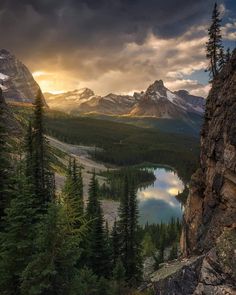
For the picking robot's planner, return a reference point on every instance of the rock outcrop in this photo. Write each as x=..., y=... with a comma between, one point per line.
x=209, y=230
x=16, y=81
x=211, y=205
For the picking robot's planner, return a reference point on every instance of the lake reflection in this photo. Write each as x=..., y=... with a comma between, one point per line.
x=157, y=202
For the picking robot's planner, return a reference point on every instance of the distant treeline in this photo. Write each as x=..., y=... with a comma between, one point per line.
x=112, y=188
x=123, y=144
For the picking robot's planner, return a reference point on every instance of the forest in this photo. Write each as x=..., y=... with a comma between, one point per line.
x=51, y=243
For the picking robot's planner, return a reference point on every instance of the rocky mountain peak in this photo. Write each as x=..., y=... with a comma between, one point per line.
x=157, y=86
x=16, y=81
x=4, y=52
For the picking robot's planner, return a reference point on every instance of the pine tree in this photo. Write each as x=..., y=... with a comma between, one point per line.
x=4, y=163
x=98, y=256
x=214, y=43
x=16, y=242
x=43, y=178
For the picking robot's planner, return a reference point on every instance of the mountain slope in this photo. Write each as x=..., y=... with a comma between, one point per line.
x=16, y=81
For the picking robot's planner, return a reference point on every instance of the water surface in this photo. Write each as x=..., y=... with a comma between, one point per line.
x=157, y=202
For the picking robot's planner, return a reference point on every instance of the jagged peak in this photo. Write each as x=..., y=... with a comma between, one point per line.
x=4, y=51
x=157, y=86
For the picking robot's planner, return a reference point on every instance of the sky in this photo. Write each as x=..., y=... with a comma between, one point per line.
x=118, y=46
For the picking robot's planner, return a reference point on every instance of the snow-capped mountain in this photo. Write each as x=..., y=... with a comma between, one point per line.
x=157, y=101
x=85, y=101
x=16, y=81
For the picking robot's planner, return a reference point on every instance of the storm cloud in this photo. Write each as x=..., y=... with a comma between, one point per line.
x=109, y=45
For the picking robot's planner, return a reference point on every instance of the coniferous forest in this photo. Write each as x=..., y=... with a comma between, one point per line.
x=50, y=242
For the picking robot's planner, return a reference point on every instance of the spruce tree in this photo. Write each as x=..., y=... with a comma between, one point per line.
x=228, y=55
x=123, y=224
x=29, y=151
x=16, y=242
x=222, y=59
x=134, y=270
x=98, y=254
x=4, y=163
x=53, y=268
x=43, y=178
x=78, y=186
x=70, y=193
x=214, y=43
x=115, y=243
x=130, y=252
x=119, y=277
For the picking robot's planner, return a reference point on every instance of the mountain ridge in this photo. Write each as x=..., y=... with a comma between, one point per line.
x=157, y=101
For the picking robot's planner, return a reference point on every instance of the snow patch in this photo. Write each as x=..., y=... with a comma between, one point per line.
x=3, y=77
x=171, y=96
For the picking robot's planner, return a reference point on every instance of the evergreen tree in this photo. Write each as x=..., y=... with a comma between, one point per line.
x=228, y=55
x=134, y=270
x=78, y=186
x=43, y=178
x=123, y=225
x=98, y=256
x=130, y=252
x=214, y=43
x=16, y=242
x=29, y=151
x=115, y=244
x=4, y=163
x=119, y=277
x=52, y=270
x=70, y=195
x=173, y=252
x=222, y=59
x=85, y=283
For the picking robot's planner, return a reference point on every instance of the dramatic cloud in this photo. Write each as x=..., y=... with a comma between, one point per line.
x=108, y=45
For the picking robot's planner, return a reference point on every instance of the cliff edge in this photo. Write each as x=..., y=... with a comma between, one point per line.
x=208, y=242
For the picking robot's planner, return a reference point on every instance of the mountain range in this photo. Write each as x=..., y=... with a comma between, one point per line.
x=157, y=101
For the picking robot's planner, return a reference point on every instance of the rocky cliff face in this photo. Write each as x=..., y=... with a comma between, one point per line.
x=211, y=204
x=209, y=232
x=16, y=81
